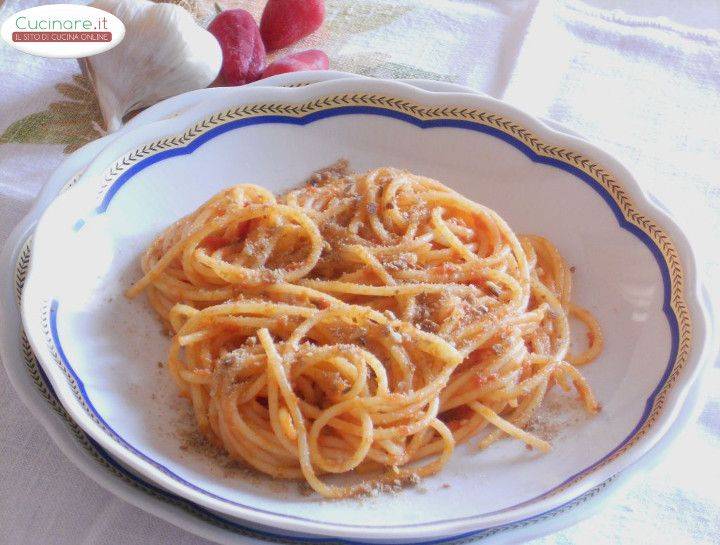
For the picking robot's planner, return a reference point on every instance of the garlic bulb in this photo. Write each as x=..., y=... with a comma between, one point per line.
x=164, y=53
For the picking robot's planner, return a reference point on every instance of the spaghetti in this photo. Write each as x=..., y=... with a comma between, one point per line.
x=362, y=323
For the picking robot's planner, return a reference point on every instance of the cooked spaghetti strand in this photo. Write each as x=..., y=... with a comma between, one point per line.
x=362, y=323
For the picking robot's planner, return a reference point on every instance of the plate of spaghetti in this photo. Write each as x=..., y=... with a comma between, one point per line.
x=361, y=310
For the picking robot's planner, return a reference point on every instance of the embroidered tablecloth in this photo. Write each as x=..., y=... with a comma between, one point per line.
x=641, y=79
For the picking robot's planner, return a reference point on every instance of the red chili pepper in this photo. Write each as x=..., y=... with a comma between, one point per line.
x=284, y=22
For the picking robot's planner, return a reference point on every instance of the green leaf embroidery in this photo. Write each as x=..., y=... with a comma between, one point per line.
x=396, y=70
x=377, y=65
x=30, y=129
x=71, y=123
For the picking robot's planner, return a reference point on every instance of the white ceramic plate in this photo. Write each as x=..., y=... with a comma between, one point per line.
x=478, y=145
x=32, y=385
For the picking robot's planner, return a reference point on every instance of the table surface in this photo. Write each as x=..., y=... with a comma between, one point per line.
x=640, y=79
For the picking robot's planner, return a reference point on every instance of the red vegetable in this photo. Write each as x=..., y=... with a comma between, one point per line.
x=312, y=59
x=242, y=46
x=284, y=22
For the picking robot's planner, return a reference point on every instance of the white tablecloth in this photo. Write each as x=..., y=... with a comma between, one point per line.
x=642, y=79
